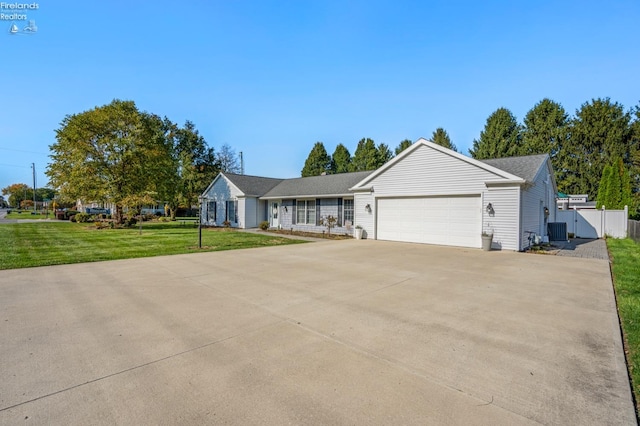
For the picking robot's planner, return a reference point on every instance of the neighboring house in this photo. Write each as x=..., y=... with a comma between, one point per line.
x=430, y=194
x=427, y=194
x=570, y=202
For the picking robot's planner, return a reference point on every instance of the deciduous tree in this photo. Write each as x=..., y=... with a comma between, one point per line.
x=105, y=154
x=16, y=193
x=228, y=159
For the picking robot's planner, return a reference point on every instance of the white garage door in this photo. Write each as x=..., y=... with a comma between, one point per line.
x=451, y=221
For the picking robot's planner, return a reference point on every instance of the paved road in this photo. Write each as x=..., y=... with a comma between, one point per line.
x=346, y=332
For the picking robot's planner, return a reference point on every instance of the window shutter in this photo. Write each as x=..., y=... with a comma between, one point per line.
x=235, y=211
x=215, y=211
x=317, y=211
x=294, y=213
x=339, y=223
x=226, y=210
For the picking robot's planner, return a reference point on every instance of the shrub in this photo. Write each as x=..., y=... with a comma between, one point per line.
x=130, y=221
x=70, y=213
x=226, y=224
x=264, y=225
x=82, y=217
x=72, y=218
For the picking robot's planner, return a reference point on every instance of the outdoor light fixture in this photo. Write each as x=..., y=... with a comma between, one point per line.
x=490, y=209
x=368, y=208
x=285, y=209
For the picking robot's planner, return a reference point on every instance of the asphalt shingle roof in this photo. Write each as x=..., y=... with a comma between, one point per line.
x=253, y=185
x=337, y=184
x=525, y=167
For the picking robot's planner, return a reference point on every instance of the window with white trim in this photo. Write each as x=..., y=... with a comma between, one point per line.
x=347, y=210
x=306, y=212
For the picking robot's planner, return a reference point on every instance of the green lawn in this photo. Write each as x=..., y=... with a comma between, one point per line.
x=27, y=215
x=24, y=245
x=625, y=255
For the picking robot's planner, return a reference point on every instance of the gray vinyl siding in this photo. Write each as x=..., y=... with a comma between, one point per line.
x=430, y=172
x=362, y=217
x=221, y=192
x=534, y=198
x=328, y=207
x=504, y=224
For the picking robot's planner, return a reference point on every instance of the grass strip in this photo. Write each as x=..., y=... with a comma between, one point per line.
x=625, y=256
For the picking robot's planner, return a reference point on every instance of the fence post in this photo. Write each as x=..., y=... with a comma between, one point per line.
x=626, y=221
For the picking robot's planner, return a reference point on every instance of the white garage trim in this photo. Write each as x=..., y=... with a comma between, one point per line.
x=444, y=220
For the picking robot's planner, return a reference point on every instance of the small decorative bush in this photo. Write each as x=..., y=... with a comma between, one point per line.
x=72, y=218
x=130, y=221
x=226, y=224
x=82, y=218
x=264, y=225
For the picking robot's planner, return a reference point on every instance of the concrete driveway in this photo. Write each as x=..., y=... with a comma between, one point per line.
x=346, y=332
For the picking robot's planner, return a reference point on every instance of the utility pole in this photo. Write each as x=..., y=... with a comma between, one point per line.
x=241, y=163
x=33, y=166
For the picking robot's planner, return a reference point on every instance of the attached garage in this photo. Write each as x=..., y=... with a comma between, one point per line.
x=450, y=221
x=430, y=194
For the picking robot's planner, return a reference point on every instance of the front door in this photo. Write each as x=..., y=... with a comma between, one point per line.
x=274, y=214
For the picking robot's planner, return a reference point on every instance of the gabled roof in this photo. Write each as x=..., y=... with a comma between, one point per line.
x=252, y=185
x=525, y=167
x=509, y=177
x=313, y=186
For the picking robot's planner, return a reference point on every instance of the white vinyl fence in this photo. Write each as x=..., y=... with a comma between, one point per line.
x=588, y=223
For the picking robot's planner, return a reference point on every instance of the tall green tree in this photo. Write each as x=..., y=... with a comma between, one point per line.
x=614, y=190
x=105, y=155
x=600, y=134
x=546, y=128
x=384, y=154
x=403, y=145
x=340, y=160
x=366, y=156
x=501, y=137
x=441, y=137
x=317, y=162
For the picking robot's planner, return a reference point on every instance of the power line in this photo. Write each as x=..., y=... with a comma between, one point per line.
x=24, y=150
x=15, y=165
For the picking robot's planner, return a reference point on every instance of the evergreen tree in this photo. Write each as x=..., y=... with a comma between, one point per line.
x=603, y=188
x=317, y=162
x=365, y=157
x=545, y=130
x=600, y=134
x=384, y=154
x=500, y=138
x=441, y=137
x=340, y=160
x=403, y=145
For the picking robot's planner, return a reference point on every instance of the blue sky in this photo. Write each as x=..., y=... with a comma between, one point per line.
x=271, y=78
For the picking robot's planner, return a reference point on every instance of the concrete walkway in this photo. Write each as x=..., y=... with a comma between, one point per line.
x=584, y=248
x=342, y=332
